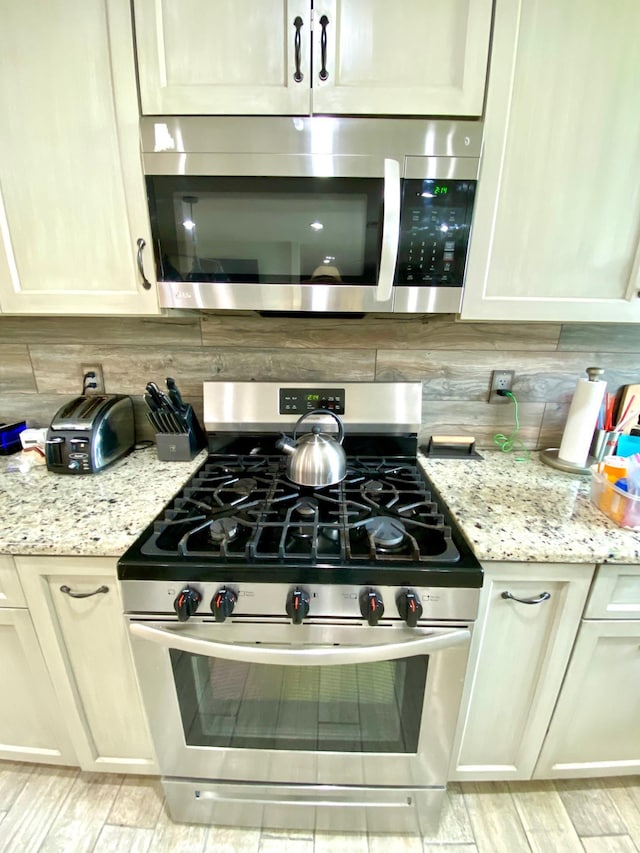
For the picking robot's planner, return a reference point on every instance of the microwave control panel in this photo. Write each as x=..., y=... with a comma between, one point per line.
x=435, y=225
x=297, y=401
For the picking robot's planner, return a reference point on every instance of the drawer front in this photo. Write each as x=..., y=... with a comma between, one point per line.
x=11, y=594
x=615, y=593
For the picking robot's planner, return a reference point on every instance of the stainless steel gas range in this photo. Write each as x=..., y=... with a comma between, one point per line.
x=301, y=651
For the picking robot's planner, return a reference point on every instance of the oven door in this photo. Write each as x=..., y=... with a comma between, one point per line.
x=314, y=704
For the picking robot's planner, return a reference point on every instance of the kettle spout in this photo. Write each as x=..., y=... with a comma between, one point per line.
x=286, y=444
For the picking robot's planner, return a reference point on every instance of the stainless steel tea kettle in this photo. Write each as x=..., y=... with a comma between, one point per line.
x=316, y=458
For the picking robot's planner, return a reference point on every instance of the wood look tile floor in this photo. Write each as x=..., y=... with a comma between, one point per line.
x=45, y=809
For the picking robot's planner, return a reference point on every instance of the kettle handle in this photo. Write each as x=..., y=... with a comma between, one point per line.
x=321, y=412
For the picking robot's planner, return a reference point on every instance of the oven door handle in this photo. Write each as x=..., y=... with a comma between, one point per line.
x=309, y=655
x=390, y=230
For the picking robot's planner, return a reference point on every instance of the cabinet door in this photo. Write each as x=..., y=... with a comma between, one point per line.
x=11, y=594
x=595, y=728
x=86, y=646
x=227, y=57
x=557, y=217
x=412, y=57
x=31, y=726
x=519, y=653
x=72, y=198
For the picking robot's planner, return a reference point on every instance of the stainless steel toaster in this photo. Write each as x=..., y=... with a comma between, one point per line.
x=90, y=432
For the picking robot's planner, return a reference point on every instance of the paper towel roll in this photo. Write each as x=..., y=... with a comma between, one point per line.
x=581, y=421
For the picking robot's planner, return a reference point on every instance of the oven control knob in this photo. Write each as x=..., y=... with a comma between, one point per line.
x=371, y=606
x=297, y=606
x=187, y=603
x=222, y=603
x=409, y=607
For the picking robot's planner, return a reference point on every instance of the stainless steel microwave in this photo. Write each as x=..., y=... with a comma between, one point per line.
x=317, y=214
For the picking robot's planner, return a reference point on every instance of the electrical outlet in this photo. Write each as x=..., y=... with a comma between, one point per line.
x=92, y=379
x=501, y=380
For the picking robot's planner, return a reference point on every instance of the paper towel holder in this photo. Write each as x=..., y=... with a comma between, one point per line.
x=550, y=455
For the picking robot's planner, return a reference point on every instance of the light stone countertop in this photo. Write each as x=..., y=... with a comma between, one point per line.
x=528, y=511
x=509, y=510
x=85, y=515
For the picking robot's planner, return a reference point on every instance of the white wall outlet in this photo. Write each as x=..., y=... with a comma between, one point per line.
x=501, y=380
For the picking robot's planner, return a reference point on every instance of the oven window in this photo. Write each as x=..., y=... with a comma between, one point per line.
x=371, y=707
x=266, y=230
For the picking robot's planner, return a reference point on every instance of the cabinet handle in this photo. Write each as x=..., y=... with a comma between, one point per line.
x=145, y=282
x=324, y=74
x=298, y=23
x=68, y=591
x=544, y=596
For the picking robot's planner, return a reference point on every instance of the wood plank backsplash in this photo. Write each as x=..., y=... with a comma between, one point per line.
x=40, y=360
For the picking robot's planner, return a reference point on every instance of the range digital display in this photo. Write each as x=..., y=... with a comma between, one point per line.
x=297, y=401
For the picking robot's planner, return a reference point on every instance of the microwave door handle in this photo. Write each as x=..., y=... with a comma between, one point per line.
x=390, y=230
x=296, y=656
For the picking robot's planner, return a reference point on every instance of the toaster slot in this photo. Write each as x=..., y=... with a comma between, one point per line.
x=67, y=409
x=54, y=450
x=91, y=404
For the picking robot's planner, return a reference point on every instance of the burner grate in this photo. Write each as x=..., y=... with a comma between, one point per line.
x=243, y=508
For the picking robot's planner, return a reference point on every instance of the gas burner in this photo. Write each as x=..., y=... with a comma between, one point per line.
x=306, y=507
x=373, y=487
x=244, y=486
x=387, y=533
x=223, y=528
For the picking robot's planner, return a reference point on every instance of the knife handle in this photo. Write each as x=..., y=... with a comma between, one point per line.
x=151, y=403
x=175, y=396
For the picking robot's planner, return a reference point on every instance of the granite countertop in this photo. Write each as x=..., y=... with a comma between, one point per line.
x=509, y=510
x=528, y=511
x=85, y=515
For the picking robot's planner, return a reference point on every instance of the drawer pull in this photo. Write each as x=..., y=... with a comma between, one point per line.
x=68, y=591
x=544, y=596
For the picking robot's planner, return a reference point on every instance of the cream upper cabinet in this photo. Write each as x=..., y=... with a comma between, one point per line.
x=519, y=653
x=557, y=217
x=411, y=57
x=283, y=57
x=224, y=56
x=77, y=612
x=72, y=197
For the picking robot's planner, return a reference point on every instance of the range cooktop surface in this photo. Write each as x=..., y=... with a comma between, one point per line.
x=240, y=517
